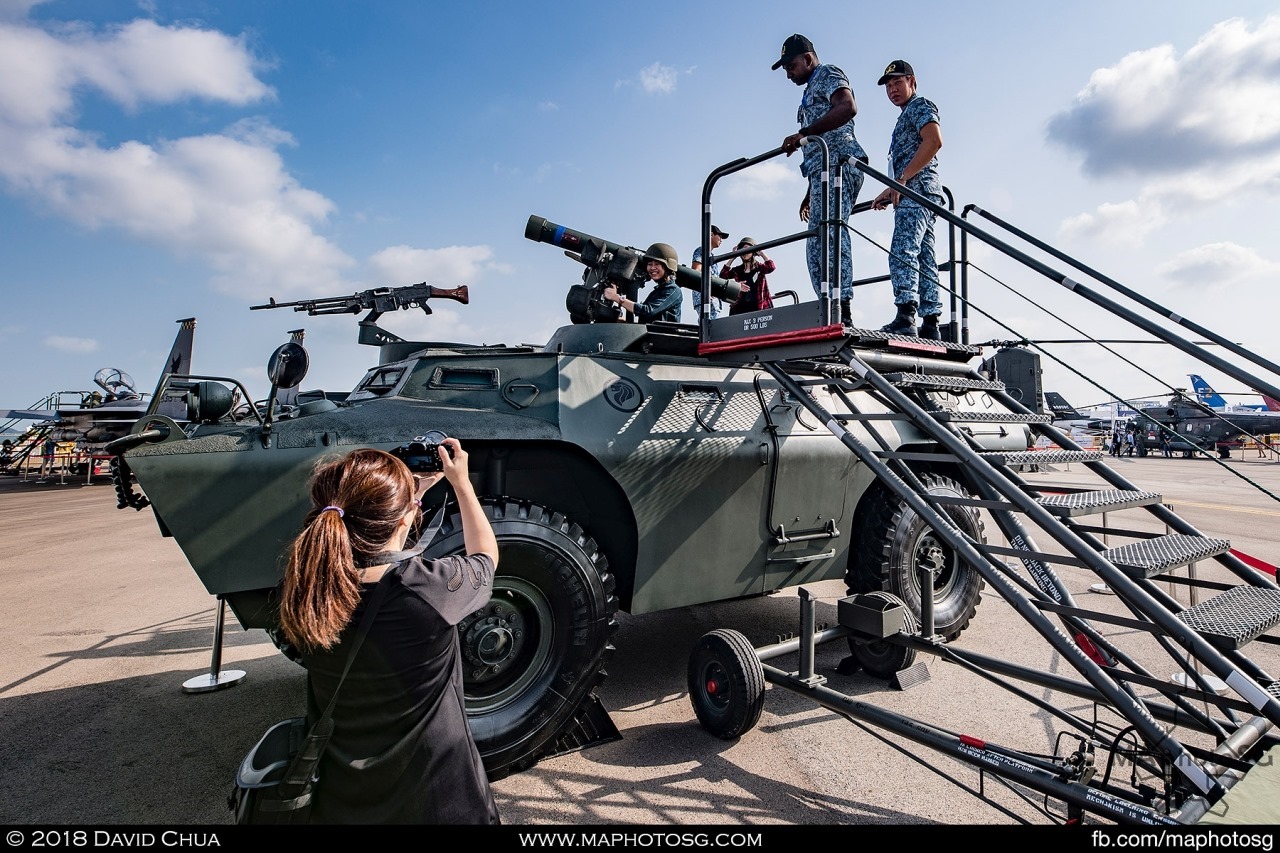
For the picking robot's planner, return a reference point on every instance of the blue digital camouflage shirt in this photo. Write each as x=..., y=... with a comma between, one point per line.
x=916, y=113
x=815, y=103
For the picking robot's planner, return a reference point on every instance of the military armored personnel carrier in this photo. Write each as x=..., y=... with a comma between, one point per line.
x=622, y=470
x=638, y=467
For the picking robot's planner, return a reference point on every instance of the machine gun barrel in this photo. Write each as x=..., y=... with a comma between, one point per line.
x=541, y=230
x=377, y=301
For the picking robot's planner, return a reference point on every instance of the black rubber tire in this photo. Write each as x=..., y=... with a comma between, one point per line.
x=882, y=658
x=533, y=656
x=889, y=536
x=1224, y=452
x=726, y=684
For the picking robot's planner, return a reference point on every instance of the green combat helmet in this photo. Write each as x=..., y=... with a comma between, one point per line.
x=664, y=254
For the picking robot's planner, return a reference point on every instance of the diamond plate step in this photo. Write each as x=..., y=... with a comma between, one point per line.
x=874, y=337
x=990, y=418
x=1235, y=617
x=1151, y=557
x=1073, y=504
x=942, y=383
x=1039, y=457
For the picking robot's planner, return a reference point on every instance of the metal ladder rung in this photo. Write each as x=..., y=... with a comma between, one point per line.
x=1151, y=557
x=1075, y=504
x=1230, y=620
x=949, y=349
x=990, y=417
x=943, y=383
x=1039, y=457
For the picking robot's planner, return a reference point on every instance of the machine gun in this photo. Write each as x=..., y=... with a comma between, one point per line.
x=377, y=301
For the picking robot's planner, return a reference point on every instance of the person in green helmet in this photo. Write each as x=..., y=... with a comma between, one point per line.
x=662, y=305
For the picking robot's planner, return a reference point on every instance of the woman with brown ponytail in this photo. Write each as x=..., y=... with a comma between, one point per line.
x=401, y=751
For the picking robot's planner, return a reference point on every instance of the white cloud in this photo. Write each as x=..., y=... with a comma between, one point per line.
x=450, y=266
x=1125, y=223
x=226, y=198
x=767, y=181
x=1155, y=112
x=548, y=106
x=1216, y=265
x=74, y=345
x=658, y=79
x=1201, y=128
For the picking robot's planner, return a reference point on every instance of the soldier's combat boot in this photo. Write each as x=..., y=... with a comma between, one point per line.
x=846, y=313
x=929, y=328
x=905, y=322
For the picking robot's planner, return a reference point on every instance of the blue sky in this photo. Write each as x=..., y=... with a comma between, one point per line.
x=160, y=160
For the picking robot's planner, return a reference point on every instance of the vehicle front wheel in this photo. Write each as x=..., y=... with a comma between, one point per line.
x=532, y=656
x=891, y=540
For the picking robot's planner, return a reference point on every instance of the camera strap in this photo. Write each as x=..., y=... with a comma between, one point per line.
x=418, y=547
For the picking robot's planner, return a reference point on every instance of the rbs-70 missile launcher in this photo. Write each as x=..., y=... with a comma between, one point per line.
x=621, y=471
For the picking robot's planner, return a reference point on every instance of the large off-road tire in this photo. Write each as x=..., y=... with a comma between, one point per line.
x=889, y=539
x=726, y=684
x=532, y=656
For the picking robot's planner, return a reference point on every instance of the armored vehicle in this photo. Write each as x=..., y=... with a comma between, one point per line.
x=622, y=471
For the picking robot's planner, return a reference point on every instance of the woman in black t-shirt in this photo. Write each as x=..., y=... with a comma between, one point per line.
x=401, y=751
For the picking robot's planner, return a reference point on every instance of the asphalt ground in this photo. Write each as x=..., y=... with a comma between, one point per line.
x=103, y=621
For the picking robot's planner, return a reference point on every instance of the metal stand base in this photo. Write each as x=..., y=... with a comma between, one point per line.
x=217, y=678
x=209, y=682
x=1216, y=684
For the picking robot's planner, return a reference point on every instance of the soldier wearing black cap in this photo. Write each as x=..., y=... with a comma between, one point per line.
x=827, y=108
x=917, y=138
x=717, y=237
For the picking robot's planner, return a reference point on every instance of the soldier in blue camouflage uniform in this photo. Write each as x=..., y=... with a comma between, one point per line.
x=827, y=108
x=717, y=237
x=917, y=138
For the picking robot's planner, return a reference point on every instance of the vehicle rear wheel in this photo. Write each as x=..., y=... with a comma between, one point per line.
x=532, y=656
x=891, y=539
x=726, y=684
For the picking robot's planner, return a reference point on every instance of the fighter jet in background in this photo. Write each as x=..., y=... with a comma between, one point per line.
x=100, y=416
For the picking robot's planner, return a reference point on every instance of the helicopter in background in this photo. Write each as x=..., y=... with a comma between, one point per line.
x=1196, y=426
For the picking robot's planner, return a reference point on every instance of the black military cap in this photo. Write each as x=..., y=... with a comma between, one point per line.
x=897, y=68
x=795, y=45
x=724, y=235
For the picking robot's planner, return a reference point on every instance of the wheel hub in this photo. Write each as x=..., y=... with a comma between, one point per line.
x=933, y=554
x=491, y=639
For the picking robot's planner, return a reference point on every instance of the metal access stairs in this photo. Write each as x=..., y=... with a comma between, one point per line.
x=1202, y=639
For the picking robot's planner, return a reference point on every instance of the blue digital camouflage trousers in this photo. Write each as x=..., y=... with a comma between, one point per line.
x=851, y=183
x=912, y=266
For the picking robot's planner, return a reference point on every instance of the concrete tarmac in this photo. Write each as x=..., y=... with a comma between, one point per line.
x=103, y=621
